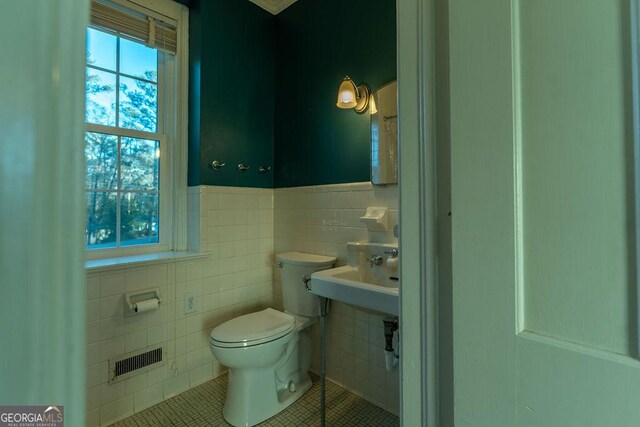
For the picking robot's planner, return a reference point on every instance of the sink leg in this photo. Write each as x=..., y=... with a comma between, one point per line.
x=324, y=308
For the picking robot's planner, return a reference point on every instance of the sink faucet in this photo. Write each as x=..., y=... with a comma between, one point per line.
x=375, y=260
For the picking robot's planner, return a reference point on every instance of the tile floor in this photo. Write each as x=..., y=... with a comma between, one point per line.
x=202, y=406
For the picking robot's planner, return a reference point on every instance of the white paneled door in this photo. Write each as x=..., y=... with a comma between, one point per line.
x=544, y=220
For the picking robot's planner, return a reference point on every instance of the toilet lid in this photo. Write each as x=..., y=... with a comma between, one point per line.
x=304, y=259
x=253, y=328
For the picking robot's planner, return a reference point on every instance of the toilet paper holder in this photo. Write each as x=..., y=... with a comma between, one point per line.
x=132, y=299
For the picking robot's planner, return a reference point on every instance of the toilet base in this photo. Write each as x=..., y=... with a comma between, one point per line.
x=239, y=415
x=256, y=394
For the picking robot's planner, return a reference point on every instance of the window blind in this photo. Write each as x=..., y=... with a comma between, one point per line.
x=135, y=26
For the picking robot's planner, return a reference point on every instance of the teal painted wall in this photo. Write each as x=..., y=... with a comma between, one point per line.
x=263, y=90
x=195, y=63
x=231, y=92
x=315, y=142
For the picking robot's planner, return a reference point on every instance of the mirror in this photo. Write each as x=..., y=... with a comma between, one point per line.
x=384, y=135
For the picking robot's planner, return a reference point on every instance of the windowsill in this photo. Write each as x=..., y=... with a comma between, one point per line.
x=140, y=260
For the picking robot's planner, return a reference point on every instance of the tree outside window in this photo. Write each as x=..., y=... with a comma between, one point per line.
x=122, y=144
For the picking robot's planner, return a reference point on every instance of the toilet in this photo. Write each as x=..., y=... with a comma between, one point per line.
x=268, y=352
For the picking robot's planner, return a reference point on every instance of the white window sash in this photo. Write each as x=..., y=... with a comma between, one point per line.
x=164, y=210
x=127, y=133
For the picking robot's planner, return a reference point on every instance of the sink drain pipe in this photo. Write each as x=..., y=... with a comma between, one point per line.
x=391, y=358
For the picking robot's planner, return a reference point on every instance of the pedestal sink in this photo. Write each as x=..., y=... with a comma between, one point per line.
x=370, y=280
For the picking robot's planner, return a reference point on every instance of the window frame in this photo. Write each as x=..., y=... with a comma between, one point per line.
x=171, y=132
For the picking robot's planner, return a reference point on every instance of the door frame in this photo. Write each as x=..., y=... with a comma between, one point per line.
x=418, y=231
x=42, y=296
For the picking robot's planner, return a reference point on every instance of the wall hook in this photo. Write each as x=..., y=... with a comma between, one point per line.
x=263, y=169
x=216, y=165
x=242, y=167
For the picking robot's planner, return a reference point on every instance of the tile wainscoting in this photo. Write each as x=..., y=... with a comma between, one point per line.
x=322, y=219
x=234, y=226
x=239, y=230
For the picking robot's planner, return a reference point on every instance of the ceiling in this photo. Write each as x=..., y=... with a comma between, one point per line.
x=273, y=6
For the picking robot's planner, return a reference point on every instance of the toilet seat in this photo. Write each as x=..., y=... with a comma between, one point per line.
x=253, y=329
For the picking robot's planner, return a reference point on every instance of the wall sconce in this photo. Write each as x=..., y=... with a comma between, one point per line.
x=352, y=96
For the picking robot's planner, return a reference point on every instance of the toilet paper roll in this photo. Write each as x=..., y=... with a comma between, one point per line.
x=146, y=305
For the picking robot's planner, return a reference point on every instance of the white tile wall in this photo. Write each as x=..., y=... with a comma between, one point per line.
x=321, y=220
x=239, y=228
x=235, y=226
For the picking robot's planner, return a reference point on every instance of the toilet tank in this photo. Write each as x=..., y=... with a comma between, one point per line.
x=295, y=265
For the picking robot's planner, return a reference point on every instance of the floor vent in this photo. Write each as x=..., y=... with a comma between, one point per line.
x=136, y=362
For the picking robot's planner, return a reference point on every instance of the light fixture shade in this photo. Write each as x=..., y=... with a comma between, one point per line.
x=347, y=94
x=372, y=105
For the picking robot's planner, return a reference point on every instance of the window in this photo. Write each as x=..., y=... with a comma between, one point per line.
x=134, y=148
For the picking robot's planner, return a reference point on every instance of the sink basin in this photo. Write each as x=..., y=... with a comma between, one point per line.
x=361, y=284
